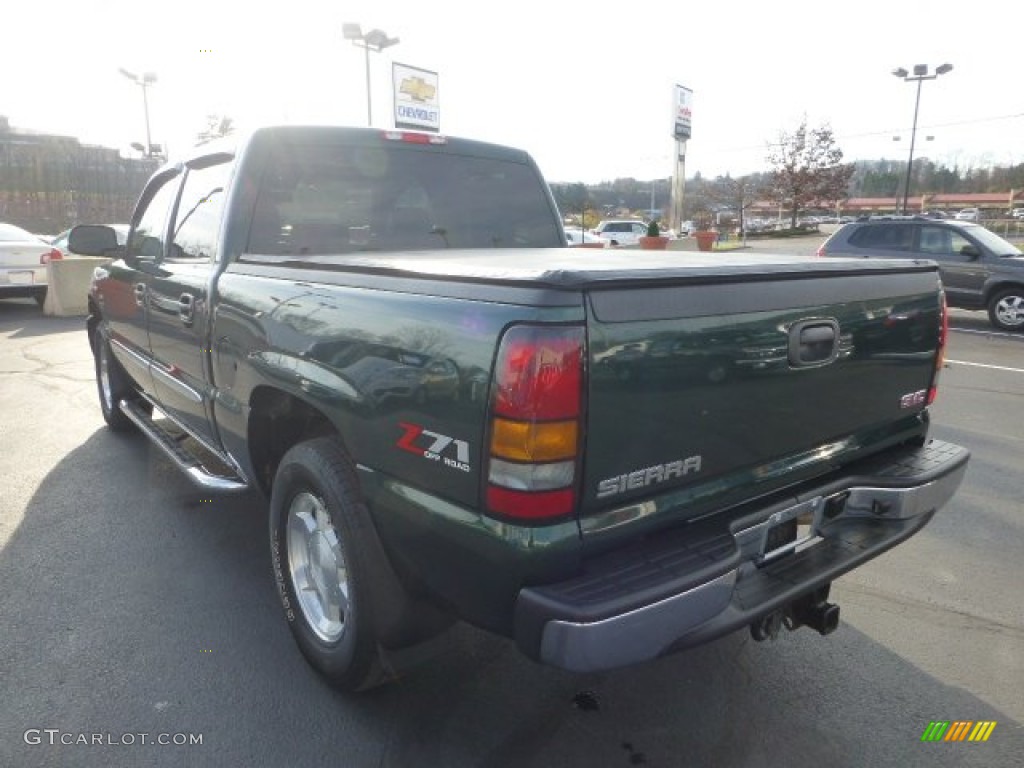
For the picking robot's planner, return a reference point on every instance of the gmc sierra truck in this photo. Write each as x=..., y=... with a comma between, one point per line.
x=607, y=457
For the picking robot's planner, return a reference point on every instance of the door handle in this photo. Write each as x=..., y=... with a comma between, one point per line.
x=140, y=294
x=187, y=308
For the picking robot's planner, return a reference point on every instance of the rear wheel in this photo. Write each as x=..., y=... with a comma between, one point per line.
x=1006, y=309
x=318, y=553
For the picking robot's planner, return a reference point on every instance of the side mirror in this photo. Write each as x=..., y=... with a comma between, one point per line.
x=93, y=240
x=971, y=251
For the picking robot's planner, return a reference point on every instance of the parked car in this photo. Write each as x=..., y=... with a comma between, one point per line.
x=581, y=238
x=980, y=270
x=1018, y=213
x=621, y=231
x=23, y=259
x=968, y=214
x=61, y=240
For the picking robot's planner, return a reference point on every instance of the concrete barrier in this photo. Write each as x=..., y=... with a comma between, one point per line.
x=68, y=280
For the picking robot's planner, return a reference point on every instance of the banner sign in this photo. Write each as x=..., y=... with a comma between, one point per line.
x=682, y=112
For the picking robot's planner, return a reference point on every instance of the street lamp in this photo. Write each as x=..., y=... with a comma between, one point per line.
x=144, y=80
x=374, y=40
x=919, y=76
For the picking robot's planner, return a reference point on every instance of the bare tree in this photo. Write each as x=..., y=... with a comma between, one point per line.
x=737, y=195
x=807, y=168
x=217, y=126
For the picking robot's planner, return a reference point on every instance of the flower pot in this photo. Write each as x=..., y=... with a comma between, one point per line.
x=659, y=243
x=705, y=240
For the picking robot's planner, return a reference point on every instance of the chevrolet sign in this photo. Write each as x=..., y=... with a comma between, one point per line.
x=416, y=98
x=417, y=88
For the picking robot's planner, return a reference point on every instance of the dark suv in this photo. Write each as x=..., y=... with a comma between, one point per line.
x=980, y=270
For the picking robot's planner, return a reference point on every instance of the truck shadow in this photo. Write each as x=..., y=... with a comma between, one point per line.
x=26, y=317
x=134, y=603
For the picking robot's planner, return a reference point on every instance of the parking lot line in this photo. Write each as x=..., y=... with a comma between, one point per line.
x=983, y=365
x=987, y=333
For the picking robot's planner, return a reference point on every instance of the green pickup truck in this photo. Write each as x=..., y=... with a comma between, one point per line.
x=607, y=456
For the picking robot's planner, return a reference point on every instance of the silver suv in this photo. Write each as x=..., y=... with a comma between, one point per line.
x=980, y=270
x=621, y=231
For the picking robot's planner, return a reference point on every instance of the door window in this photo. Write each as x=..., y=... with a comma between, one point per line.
x=147, y=238
x=197, y=223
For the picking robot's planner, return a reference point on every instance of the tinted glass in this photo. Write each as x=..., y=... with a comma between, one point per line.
x=890, y=237
x=936, y=240
x=315, y=200
x=147, y=240
x=197, y=224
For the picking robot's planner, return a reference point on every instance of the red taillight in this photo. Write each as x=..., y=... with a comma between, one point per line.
x=538, y=373
x=52, y=255
x=940, y=355
x=820, y=253
x=535, y=429
x=415, y=138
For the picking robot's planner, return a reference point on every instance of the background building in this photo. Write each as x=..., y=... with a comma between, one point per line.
x=49, y=183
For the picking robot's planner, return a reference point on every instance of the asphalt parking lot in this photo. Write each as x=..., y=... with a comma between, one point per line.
x=134, y=605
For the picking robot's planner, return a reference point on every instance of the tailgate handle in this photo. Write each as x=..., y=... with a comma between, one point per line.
x=813, y=343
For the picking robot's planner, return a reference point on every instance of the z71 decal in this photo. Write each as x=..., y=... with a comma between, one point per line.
x=434, y=446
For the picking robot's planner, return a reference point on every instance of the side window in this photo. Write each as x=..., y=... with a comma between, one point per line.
x=957, y=242
x=197, y=224
x=935, y=240
x=890, y=237
x=147, y=238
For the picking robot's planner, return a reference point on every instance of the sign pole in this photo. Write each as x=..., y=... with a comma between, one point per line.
x=678, y=186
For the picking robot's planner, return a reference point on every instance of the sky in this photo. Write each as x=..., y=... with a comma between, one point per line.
x=586, y=88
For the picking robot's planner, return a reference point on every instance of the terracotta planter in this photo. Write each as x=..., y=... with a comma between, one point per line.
x=659, y=243
x=705, y=240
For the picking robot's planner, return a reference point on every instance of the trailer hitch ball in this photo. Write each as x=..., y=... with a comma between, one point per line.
x=767, y=627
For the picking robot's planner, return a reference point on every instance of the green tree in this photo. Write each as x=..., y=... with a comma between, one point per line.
x=807, y=169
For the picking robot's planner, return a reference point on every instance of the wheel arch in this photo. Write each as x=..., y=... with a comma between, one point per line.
x=993, y=288
x=277, y=421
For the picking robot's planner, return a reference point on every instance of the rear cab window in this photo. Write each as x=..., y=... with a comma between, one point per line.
x=337, y=199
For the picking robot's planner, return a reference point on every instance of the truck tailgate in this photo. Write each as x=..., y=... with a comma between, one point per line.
x=708, y=389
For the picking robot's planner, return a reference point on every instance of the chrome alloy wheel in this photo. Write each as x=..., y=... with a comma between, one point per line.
x=106, y=391
x=1010, y=311
x=316, y=566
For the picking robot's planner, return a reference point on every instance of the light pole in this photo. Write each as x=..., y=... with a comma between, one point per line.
x=144, y=80
x=919, y=76
x=374, y=40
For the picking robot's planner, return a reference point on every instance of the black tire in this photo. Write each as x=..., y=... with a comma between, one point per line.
x=40, y=298
x=318, y=529
x=112, y=386
x=1006, y=309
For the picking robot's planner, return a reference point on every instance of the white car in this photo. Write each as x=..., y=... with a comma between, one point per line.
x=968, y=214
x=621, y=231
x=1018, y=213
x=580, y=238
x=23, y=259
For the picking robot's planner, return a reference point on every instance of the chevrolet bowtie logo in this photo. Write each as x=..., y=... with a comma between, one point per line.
x=418, y=88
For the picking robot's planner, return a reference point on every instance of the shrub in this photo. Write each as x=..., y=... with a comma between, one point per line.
x=652, y=230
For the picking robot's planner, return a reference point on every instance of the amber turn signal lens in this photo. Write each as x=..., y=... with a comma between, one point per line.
x=533, y=441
